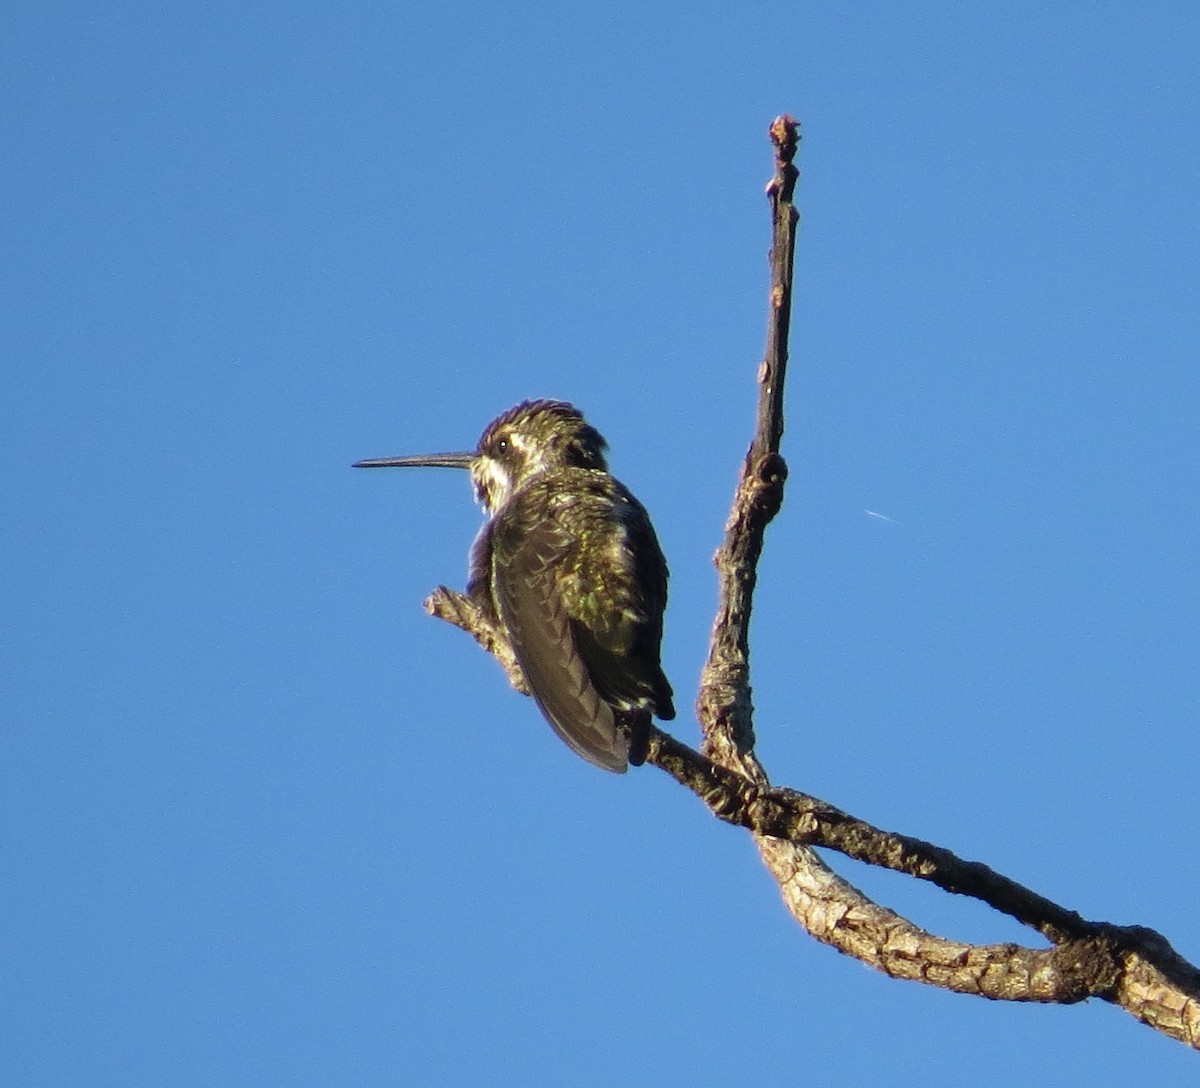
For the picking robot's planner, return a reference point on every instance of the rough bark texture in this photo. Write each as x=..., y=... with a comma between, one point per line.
x=1130, y=966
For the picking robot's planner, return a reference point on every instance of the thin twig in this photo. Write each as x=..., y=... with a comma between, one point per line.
x=724, y=705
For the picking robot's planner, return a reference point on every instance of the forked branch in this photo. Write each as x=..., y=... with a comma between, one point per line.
x=1130, y=966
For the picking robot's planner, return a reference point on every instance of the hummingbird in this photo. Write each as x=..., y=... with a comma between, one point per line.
x=569, y=567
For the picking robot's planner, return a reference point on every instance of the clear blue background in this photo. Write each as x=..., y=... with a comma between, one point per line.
x=264, y=822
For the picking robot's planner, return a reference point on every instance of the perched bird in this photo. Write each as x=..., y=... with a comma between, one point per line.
x=568, y=565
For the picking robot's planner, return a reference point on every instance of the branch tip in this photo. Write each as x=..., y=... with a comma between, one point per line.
x=785, y=135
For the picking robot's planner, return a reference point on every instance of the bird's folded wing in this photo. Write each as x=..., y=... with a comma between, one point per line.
x=540, y=629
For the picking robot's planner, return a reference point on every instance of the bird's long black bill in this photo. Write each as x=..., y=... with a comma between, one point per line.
x=423, y=460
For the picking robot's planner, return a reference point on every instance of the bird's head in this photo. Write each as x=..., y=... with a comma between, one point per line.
x=527, y=440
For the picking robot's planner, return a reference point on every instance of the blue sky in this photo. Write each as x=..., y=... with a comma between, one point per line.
x=264, y=822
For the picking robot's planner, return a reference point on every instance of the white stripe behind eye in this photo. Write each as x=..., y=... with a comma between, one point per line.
x=531, y=455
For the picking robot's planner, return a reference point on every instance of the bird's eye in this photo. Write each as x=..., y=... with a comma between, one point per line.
x=501, y=445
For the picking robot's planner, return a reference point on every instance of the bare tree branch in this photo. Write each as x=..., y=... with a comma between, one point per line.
x=460, y=611
x=1130, y=966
